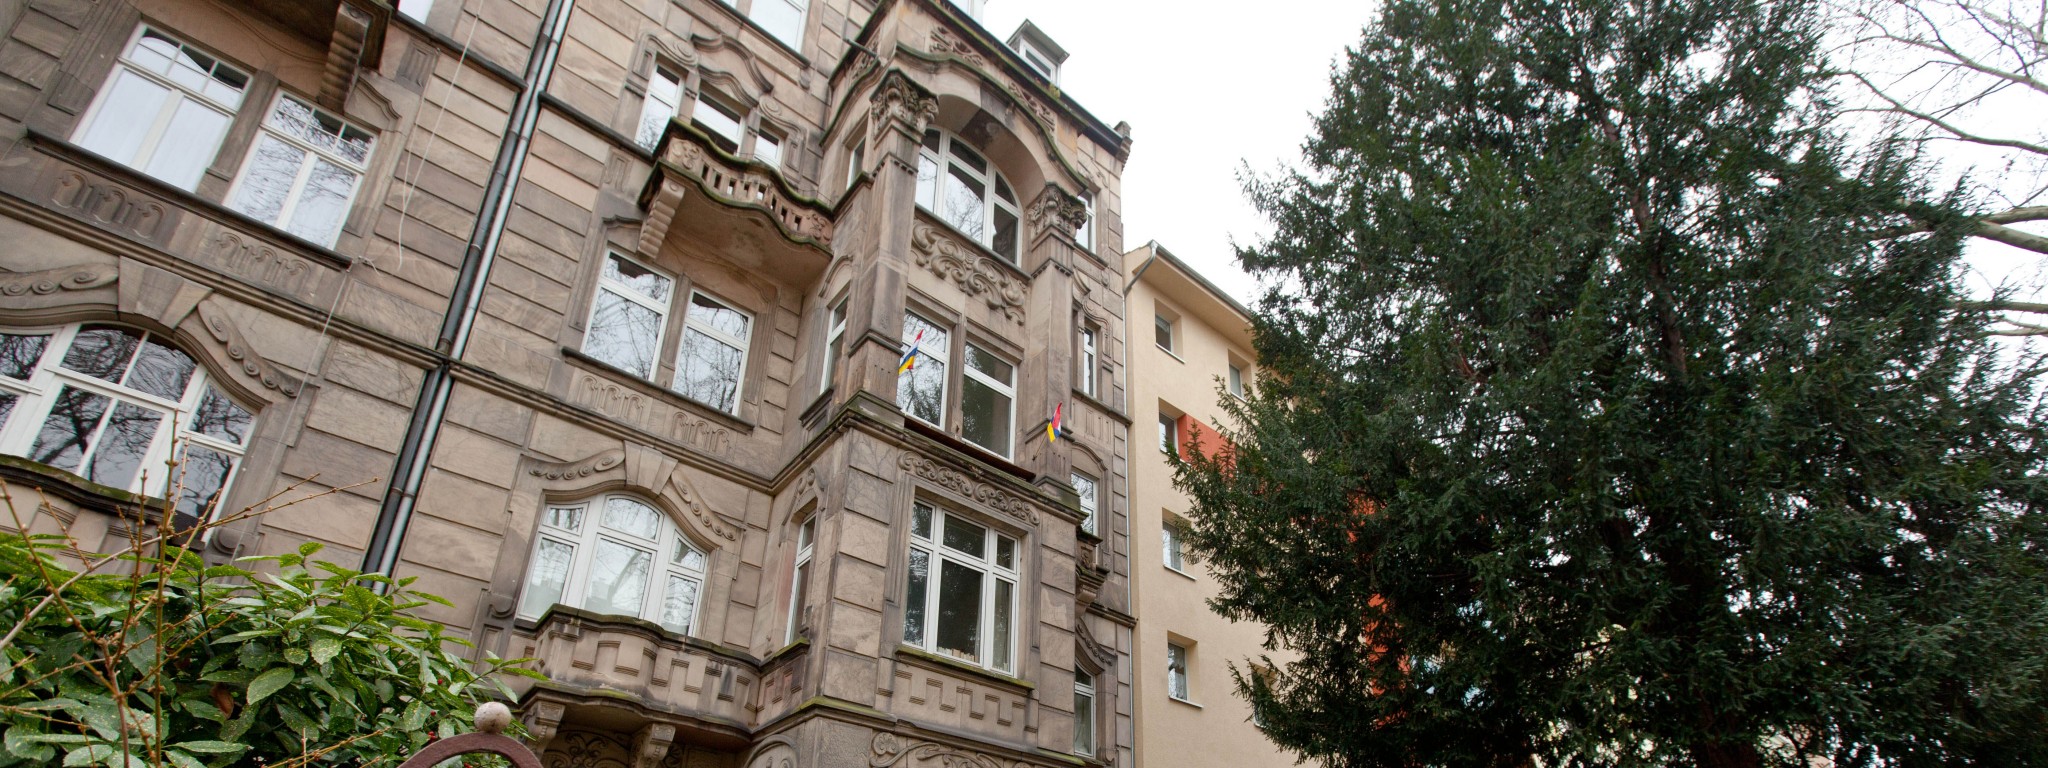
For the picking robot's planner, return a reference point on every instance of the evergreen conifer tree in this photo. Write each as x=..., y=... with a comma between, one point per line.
x=1613, y=412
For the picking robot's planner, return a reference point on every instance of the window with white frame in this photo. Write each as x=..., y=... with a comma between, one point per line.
x=856, y=162
x=1086, y=234
x=964, y=190
x=768, y=148
x=1162, y=332
x=1084, y=712
x=614, y=555
x=1177, y=670
x=835, y=343
x=1173, y=543
x=664, y=95
x=921, y=390
x=1169, y=434
x=800, y=576
x=164, y=110
x=1085, y=377
x=116, y=406
x=784, y=19
x=303, y=171
x=417, y=9
x=712, y=361
x=628, y=316
x=1234, y=383
x=720, y=119
x=961, y=600
x=988, y=401
x=1084, y=488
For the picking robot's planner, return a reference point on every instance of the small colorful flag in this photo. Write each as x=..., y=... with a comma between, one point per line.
x=1056, y=429
x=910, y=355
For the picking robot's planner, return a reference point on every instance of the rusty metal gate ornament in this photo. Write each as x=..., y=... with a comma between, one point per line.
x=491, y=719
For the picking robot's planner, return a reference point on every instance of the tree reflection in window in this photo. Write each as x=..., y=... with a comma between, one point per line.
x=113, y=405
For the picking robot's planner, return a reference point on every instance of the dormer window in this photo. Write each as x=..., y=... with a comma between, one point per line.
x=1038, y=51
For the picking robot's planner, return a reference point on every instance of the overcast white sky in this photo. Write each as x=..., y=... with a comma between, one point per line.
x=1209, y=93
x=1205, y=93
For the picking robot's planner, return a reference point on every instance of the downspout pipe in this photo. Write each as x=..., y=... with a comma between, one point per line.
x=401, y=496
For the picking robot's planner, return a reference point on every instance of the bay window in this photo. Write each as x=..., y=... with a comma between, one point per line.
x=961, y=600
x=988, y=401
x=964, y=190
x=921, y=390
x=116, y=406
x=614, y=555
x=302, y=173
x=164, y=110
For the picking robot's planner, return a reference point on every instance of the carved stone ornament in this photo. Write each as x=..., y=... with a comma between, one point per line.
x=976, y=274
x=1104, y=656
x=889, y=749
x=672, y=484
x=704, y=515
x=957, y=482
x=1057, y=210
x=252, y=365
x=945, y=43
x=731, y=182
x=587, y=749
x=897, y=98
x=77, y=278
x=573, y=470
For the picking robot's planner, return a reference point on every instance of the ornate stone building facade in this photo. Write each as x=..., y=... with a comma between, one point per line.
x=593, y=315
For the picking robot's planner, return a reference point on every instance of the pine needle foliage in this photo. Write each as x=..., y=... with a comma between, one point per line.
x=1605, y=419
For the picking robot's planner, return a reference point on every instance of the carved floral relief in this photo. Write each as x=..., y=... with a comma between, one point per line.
x=966, y=267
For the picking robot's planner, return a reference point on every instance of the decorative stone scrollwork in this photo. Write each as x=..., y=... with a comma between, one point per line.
x=253, y=365
x=704, y=516
x=897, y=98
x=48, y=281
x=1057, y=210
x=943, y=42
x=889, y=749
x=586, y=749
x=579, y=469
x=957, y=482
x=976, y=274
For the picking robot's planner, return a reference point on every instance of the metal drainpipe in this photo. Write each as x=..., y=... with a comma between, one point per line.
x=395, y=514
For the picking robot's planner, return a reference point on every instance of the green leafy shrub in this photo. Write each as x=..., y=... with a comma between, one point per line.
x=169, y=662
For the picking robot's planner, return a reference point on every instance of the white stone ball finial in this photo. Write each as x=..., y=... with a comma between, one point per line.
x=492, y=717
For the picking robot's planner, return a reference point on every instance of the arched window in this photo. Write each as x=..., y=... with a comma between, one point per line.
x=616, y=555
x=111, y=404
x=964, y=190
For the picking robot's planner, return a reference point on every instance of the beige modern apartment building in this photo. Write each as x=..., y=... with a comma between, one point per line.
x=1190, y=346
x=593, y=314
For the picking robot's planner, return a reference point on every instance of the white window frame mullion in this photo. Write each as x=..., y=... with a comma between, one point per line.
x=660, y=309
x=153, y=139
x=690, y=321
x=1007, y=390
x=313, y=154
x=835, y=329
